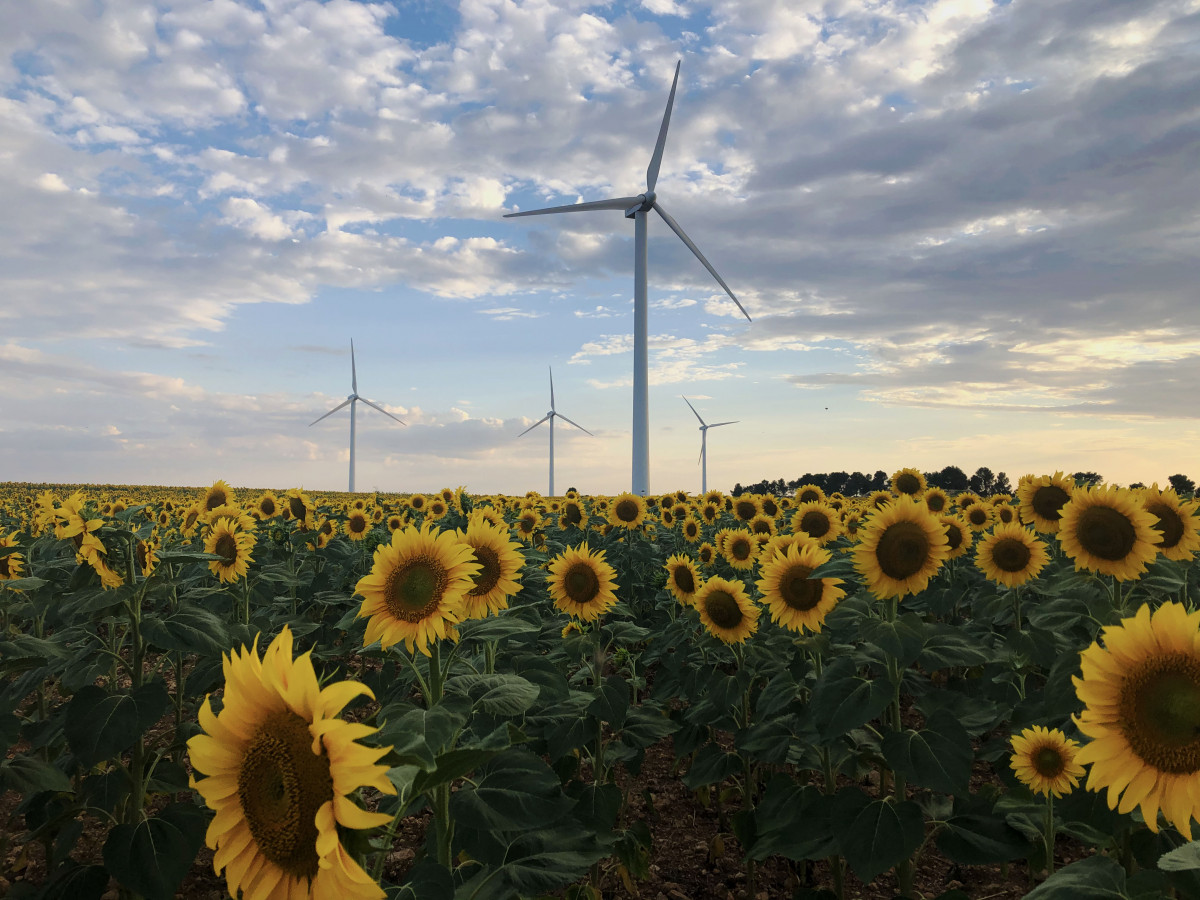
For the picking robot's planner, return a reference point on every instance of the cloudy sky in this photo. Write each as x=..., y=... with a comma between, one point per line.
x=967, y=233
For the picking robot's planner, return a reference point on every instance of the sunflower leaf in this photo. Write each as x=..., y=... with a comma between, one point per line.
x=875, y=835
x=937, y=757
x=1097, y=878
x=842, y=700
x=1181, y=858
x=153, y=857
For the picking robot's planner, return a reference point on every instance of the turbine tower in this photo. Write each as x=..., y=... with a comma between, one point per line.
x=637, y=208
x=350, y=401
x=550, y=417
x=704, y=444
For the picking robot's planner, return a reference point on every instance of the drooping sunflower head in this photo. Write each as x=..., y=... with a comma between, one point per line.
x=683, y=578
x=1141, y=692
x=279, y=766
x=879, y=499
x=959, y=537
x=1108, y=530
x=908, y=481
x=415, y=589
x=581, y=583
x=1177, y=523
x=298, y=508
x=233, y=544
x=572, y=515
x=220, y=494
x=746, y=507
x=1045, y=761
x=11, y=566
x=726, y=611
x=900, y=549
x=627, y=510
x=1011, y=555
x=796, y=600
x=191, y=518
x=499, y=574
x=357, y=525
x=936, y=500
x=808, y=493
x=818, y=520
x=1041, y=499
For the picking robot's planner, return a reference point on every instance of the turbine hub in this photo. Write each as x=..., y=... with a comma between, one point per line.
x=645, y=205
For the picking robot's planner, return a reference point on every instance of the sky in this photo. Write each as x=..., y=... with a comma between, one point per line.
x=966, y=233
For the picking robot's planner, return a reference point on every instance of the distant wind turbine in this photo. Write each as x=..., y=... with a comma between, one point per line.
x=636, y=208
x=350, y=401
x=704, y=444
x=550, y=417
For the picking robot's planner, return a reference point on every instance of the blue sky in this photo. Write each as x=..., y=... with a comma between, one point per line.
x=966, y=232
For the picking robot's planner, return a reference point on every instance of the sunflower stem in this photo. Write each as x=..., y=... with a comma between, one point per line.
x=1049, y=833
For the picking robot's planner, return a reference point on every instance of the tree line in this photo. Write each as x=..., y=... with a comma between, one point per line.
x=984, y=482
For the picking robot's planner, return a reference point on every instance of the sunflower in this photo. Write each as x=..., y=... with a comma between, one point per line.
x=266, y=506
x=795, y=600
x=418, y=502
x=726, y=611
x=11, y=565
x=715, y=497
x=280, y=768
x=710, y=512
x=359, y=504
x=572, y=515
x=936, y=500
x=627, y=510
x=705, y=553
x=880, y=499
x=667, y=517
x=1004, y=513
x=298, y=508
x=683, y=578
x=739, y=549
x=146, y=554
x=762, y=524
x=395, y=522
x=746, y=507
x=1176, y=523
x=191, y=518
x=499, y=574
x=818, y=520
x=910, y=482
x=690, y=529
x=978, y=516
x=220, y=494
x=807, y=493
x=527, y=524
x=416, y=588
x=74, y=526
x=570, y=628
x=852, y=524
x=959, y=537
x=901, y=547
x=357, y=525
x=436, y=509
x=1107, y=530
x=1010, y=555
x=1046, y=761
x=233, y=544
x=1141, y=692
x=770, y=507
x=1042, y=498
x=581, y=583
x=967, y=498
x=488, y=514
x=779, y=544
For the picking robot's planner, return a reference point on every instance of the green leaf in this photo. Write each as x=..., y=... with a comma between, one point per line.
x=902, y=638
x=1181, y=858
x=99, y=725
x=949, y=646
x=612, y=702
x=974, y=839
x=153, y=857
x=72, y=881
x=937, y=757
x=842, y=700
x=27, y=775
x=793, y=822
x=768, y=741
x=1096, y=878
x=23, y=584
x=875, y=835
x=517, y=791
x=497, y=695
x=645, y=726
x=185, y=556
x=711, y=766
x=190, y=629
x=596, y=805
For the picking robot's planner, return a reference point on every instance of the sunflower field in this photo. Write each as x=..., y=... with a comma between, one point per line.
x=452, y=696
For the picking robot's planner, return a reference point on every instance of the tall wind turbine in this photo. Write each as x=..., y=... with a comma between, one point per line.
x=704, y=426
x=637, y=208
x=550, y=417
x=350, y=401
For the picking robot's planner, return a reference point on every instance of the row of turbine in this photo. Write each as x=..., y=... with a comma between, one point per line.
x=638, y=209
x=354, y=398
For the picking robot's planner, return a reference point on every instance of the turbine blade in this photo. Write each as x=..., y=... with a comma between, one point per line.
x=621, y=203
x=534, y=425
x=552, y=389
x=353, y=370
x=715, y=424
x=381, y=409
x=656, y=159
x=345, y=402
x=700, y=256
x=693, y=409
x=701, y=456
x=576, y=424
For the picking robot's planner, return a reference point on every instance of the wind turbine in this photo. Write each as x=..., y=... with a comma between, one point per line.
x=637, y=208
x=350, y=401
x=704, y=426
x=550, y=417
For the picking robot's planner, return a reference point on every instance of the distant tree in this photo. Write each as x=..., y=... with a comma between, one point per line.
x=737, y=489
x=835, y=482
x=779, y=487
x=1182, y=484
x=1087, y=479
x=951, y=478
x=1136, y=485
x=983, y=479
x=879, y=481
x=1002, y=485
x=857, y=485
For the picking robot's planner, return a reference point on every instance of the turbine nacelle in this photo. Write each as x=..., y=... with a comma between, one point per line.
x=646, y=204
